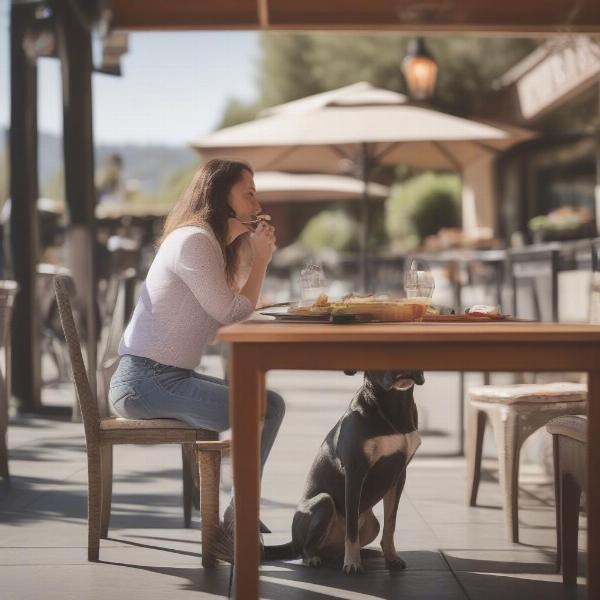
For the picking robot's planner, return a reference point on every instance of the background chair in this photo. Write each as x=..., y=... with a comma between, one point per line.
x=569, y=437
x=515, y=412
x=528, y=267
x=102, y=433
x=8, y=291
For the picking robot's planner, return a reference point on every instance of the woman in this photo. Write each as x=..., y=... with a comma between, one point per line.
x=188, y=294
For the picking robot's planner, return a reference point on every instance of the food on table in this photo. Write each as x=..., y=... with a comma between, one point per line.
x=322, y=300
x=483, y=310
x=379, y=308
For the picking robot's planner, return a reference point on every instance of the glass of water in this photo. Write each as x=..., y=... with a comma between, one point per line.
x=418, y=280
x=312, y=284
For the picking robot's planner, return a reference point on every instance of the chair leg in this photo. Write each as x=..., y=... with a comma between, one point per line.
x=188, y=484
x=556, y=461
x=508, y=445
x=4, y=473
x=106, y=464
x=475, y=434
x=569, y=518
x=94, y=503
x=210, y=475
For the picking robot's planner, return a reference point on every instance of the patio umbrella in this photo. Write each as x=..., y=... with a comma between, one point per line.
x=276, y=187
x=352, y=129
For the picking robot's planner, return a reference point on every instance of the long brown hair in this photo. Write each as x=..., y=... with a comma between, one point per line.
x=204, y=202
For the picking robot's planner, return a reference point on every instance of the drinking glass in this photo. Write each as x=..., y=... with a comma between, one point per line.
x=312, y=283
x=418, y=280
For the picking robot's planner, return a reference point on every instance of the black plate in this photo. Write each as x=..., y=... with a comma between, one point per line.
x=282, y=314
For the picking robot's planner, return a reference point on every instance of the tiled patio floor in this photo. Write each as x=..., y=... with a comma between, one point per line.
x=453, y=552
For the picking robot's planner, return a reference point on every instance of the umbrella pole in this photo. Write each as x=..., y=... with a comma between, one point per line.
x=364, y=221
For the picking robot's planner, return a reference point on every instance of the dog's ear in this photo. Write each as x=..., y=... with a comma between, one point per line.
x=350, y=372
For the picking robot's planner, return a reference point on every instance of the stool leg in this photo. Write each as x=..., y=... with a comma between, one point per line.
x=569, y=518
x=475, y=434
x=210, y=476
x=508, y=445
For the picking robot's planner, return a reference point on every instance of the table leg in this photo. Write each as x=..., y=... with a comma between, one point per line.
x=245, y=406
x=461, y=414
x=593, y=485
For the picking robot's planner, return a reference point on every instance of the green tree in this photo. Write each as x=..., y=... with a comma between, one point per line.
x=237, y=112
x=295, y=65
x=422, y=206
x=333, y=229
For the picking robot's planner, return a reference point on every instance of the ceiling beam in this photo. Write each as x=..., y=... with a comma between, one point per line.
x=506, y=17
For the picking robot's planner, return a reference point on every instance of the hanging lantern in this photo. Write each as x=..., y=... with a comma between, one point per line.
x=420, y=70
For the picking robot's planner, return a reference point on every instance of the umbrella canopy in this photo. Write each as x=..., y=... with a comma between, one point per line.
x=273, y=186
x=353, y=129
x=328, y=132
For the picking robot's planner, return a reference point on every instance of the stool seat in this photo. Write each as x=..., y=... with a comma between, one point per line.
x=526, y=393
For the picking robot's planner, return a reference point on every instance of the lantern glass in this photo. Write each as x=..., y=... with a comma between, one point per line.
x=420, y=71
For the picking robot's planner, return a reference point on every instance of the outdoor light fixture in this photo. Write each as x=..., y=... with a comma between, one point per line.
x=420, y=70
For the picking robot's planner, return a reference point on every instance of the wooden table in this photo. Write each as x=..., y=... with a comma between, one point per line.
x=257, y=347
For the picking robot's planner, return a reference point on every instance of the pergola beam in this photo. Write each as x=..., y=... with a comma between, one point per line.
x=509, y=16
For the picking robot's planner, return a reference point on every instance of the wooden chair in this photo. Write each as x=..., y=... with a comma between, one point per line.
x=569, y=437
x=102, y=433
x=8, y=291
x=121, y=302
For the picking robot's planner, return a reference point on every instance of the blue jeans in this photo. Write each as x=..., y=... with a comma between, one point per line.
x=142, y=388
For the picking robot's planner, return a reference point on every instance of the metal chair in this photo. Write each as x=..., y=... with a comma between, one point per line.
x=8, y=291
x=527, y=267
x=569, y=437
x=102, y=433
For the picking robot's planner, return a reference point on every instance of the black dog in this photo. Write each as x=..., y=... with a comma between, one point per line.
x=362, y=460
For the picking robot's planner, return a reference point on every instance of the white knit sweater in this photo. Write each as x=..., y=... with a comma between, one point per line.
x=183, y=301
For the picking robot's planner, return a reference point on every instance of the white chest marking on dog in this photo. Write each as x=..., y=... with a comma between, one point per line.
x=386, y=445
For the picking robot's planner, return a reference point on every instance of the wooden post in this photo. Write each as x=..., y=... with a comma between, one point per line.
x=26, y=365
x=75, y=53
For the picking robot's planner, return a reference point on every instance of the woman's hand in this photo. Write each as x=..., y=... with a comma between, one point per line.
x=263, y=242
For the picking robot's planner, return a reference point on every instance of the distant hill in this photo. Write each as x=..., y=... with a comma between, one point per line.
x=151, y=165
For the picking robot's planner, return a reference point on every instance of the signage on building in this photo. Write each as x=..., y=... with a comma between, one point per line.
x=569, y=68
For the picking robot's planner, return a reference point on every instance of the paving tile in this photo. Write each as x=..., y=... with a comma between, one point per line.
x=453, y=551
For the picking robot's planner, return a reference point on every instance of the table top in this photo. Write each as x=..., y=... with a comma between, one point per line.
x=272, y=332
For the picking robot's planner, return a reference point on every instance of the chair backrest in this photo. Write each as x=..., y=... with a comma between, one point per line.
x=117, y=317
x=530, y=265
x=64, y=287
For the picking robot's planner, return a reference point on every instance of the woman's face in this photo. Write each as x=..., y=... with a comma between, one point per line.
x=242, y=197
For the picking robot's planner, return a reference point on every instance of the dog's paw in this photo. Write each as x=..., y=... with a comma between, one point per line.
x=395, y=564
x=353, y=568
x=312, y=561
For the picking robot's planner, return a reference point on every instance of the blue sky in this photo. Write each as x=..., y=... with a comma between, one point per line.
x=174, y=85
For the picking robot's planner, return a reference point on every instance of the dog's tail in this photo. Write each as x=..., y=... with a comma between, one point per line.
x=222, y=548
x=281, y=552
